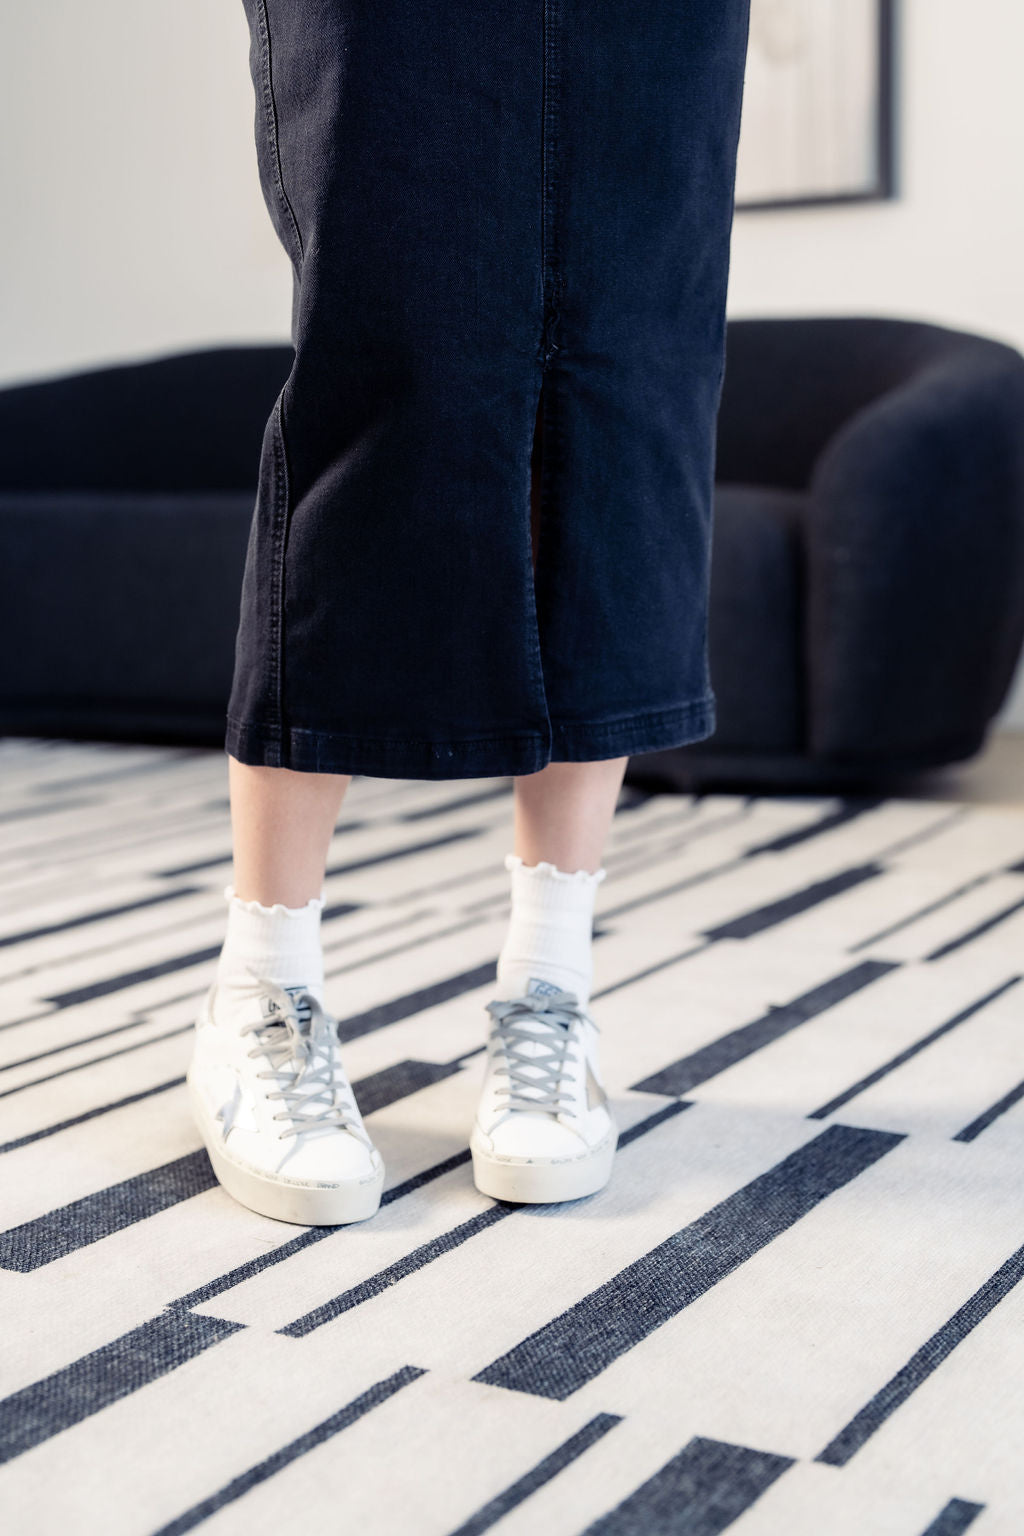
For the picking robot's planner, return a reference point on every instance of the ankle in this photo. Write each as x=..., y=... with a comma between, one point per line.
x=550, y=929
x=278, y=943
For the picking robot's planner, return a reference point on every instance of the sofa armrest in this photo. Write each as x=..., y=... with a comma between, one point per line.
x=915, y=564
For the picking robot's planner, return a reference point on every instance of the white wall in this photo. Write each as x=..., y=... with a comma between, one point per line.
x=951, y=246
x=134, y=224
x=130, y=205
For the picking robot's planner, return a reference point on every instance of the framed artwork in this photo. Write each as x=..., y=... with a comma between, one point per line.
x=817, y=124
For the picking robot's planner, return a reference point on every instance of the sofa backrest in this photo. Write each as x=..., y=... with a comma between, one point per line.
x=790, y=384
x=193, y=421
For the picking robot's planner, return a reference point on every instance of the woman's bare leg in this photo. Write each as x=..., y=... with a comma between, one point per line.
x=282, y=824
x=266, y=1047
x=563, y=813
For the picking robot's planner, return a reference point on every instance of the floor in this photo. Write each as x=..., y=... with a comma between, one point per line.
x=795, y=1310
x=994, y=777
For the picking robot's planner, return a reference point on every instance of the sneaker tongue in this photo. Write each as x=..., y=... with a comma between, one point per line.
x=271, y=1013
x=270, y=1008
x=537, y=986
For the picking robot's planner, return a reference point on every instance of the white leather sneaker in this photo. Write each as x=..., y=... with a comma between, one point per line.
x=277, y=1113
x=543, y=1131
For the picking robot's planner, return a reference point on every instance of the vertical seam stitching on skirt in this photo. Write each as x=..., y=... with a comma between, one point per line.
x=552, y=281
x=270, y=112
x=552, y=463
x=533, y=628
x=279, y=530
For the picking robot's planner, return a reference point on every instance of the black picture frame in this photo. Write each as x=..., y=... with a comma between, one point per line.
x=884, y=182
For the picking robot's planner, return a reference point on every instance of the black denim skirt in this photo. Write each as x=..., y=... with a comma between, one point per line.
x=509, y=226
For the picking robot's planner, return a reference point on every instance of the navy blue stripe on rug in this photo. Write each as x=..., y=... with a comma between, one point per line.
x=699, y=1066
x=71, y=1045
x=96, y=1061
x=267, y=1260
x=77, y=1225
x=406, y=851
x=651, y=970
x=68, y=1396
x=100, y=916
x=632, y=865
x=920, y=1366
x=759, y=918
x=410, y=1003
x=898, y=1060
x=89, y=1114
x=923, y=834
x=481, y=797
x=372, y=1398
x=225, y=858
x=82, y=1222
x=916, y=913
x=700, y=1492
x=154, y=764
x=398, y=1081
x=376, y=1284
x=851, y=809
x=444, y=1243
x=27, y=812
x=339, y=909
x=581, y=1342
x=975, y=932
x=651, y=1122
x=994, y=1111
x=110, y=984
x=524, y=1487
x=954, y=1518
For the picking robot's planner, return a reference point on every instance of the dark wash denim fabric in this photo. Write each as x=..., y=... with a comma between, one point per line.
x=504, y=216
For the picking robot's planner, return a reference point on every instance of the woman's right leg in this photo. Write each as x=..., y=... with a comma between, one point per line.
x=282, y=823
x=269, y=1092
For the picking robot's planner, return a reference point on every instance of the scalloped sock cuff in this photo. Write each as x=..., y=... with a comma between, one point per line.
x=279, y=942
x=550, y=928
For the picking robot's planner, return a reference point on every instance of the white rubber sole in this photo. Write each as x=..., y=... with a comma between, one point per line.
x=304, y=1205
x=543, y=1181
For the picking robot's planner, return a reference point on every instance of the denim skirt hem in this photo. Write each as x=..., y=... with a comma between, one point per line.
x=308, y=751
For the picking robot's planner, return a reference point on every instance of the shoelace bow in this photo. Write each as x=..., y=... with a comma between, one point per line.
x=301, y=1045
x=534, y=1077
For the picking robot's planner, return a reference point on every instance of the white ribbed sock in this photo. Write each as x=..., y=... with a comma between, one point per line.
x=550, y=929
x=280, y=943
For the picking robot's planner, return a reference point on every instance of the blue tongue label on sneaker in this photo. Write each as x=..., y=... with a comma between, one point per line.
x=544, y=988
x=538, y=987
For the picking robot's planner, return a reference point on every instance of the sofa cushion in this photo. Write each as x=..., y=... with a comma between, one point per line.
x=122, y=611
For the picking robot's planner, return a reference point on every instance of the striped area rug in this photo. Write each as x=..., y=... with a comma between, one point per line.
x=795, y=1309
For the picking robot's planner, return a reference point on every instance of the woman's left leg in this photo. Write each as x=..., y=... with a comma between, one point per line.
x=543, y=1131
x=563, y=813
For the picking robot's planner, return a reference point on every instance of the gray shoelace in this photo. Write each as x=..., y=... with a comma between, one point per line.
x=533, y=1034
x=301, y=1045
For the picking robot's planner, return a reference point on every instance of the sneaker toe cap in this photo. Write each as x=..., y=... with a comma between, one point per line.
x=325, y=1160
x=525, y=1135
